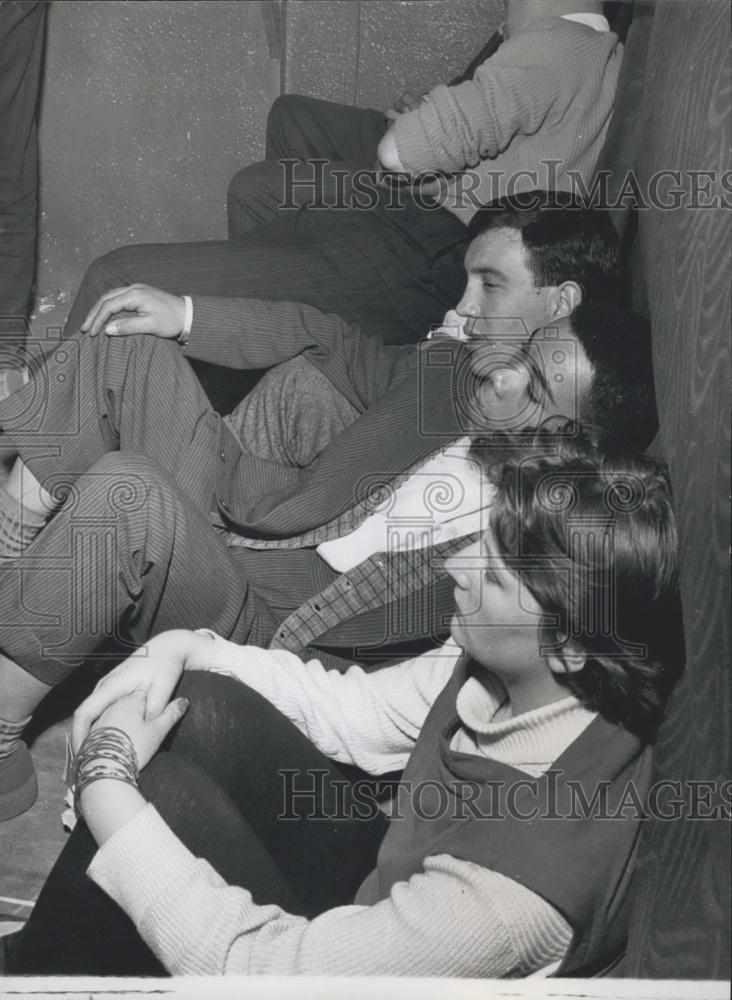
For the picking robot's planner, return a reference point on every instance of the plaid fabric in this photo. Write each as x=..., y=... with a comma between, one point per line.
x=379, y=580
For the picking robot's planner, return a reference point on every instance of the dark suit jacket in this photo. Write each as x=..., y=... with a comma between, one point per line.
x=410, y=400
x=410, y=404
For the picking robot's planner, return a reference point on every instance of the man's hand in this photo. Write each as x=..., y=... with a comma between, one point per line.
x=155, y=312
x=154, y=670
x=146, y=729
x=407, y=102
x=452, y=325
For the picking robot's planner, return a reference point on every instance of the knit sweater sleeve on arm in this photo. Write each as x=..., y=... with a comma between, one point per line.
x=371, y=720
x=455, y=918
x=512, y=93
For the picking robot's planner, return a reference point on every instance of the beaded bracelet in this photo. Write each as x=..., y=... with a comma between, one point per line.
x=105, y=753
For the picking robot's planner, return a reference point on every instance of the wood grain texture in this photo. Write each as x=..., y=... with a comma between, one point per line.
x=681, y=908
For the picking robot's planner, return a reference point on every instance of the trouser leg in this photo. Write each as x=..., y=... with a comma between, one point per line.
x=323, y=137
x=298, y=801
x=305, y=127
x=221, y=790
x=22, y=27
x=127, y=556
x=95, y=395
x=292, y=413
x=393, y=271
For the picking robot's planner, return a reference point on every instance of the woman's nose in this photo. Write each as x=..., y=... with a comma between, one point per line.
x=464, y=562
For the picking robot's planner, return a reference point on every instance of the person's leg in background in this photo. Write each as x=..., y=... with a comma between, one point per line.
x=303, y=129
x=395, y=272
x=222, y=787
x=22, y=28
x=292, y=413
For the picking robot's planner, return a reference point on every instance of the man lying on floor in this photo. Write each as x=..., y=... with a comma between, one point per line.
x=533, y=707
x=133, y=508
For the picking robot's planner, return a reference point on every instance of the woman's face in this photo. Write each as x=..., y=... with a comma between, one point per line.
x=497, y=620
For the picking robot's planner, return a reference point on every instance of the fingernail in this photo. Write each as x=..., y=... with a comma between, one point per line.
x=111, y=329
x=183, y=704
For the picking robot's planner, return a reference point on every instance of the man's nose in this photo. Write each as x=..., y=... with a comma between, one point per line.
x=468, y=306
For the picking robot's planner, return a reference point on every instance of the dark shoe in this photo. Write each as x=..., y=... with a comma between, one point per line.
x=18, y=783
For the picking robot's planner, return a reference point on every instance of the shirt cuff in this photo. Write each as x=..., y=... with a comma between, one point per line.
x=187, y=320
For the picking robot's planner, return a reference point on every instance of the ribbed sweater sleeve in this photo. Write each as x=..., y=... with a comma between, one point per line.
x=197, y=924
x=453, y=918
x=538, y=79
x=371, y=720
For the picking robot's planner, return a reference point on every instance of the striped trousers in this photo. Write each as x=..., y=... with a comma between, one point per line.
x=121, y=429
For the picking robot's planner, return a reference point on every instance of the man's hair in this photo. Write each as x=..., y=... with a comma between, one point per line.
x=564, y=240
x=594, y=540
x=618, y=410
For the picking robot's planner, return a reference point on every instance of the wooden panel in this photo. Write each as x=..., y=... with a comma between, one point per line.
x=680, y=925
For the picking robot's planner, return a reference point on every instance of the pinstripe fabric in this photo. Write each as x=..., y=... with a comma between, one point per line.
x=394, y=271
x=138, y=394
x=129, y=556
x=92, y=396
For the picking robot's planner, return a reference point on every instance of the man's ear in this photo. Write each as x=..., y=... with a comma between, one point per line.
x=566, y=298
x=569, y=660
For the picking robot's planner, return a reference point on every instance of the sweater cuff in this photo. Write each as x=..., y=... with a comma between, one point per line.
x=135, y=878
x=411, y=143
x=421, y=141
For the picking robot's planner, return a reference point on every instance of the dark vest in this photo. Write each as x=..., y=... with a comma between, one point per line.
x=535, y=831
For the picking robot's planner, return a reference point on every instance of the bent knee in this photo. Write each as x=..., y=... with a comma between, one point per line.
x=113, y=270
x=255, y=180
x=120, y=481
x=288, y=108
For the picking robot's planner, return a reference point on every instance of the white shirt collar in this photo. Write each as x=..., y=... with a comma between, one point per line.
x=598, y=22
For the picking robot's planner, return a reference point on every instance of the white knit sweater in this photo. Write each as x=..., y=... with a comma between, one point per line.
x=545, y=97
x=453, y=919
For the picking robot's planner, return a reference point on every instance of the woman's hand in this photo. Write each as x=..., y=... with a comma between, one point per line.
x=145, y=730
x=154, y=670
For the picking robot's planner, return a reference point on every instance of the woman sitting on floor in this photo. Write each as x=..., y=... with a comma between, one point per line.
x=535, y=715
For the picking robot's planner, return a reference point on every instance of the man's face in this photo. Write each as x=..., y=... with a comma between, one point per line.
x=530, y=364
x=522, y=385
x=501, y=298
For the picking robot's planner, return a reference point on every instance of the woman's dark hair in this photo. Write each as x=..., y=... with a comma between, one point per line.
x=564, y=239
x=593, y=539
